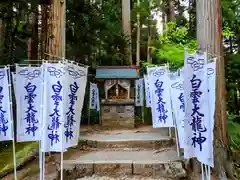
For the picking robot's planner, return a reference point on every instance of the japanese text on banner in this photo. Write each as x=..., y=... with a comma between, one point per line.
x=5, y=113
x=177, y=94
x=139, y=92
x=28, y=97
x=197, y=133
x=53, y=109
x=147, y=91
x=94, y=97
x=211, y=73
x=161, y=100
x=76, y=80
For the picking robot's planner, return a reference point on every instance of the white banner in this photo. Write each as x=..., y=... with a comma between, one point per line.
x=94, y=99
x=147, y=91
x=75, y=91
x=28, y=97
x=150, y=70
x=161, y=100
x=6, y=131
x=197, y=124
x=53, y=108
x=211, y=72
x=139, y=92
x=177, y=94
x=98, y=100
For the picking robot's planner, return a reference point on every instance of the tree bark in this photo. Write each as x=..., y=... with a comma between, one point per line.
x=126, y=24
x=56, y=31
x=1, y=38
x=34, y=39
x=170, y=10
x=138, y=38
x=192, y=17
x=209, y=36
x=149, y=49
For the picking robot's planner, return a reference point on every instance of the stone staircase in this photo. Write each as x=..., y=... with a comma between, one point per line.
x=130, y=152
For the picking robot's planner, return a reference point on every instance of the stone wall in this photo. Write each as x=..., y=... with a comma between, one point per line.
x=118, y=116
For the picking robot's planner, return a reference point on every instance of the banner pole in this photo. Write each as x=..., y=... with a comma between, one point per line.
x=176, y=136
x=43, y=125
x=40, y=146
x=12, y=123
x=203, y=174
x=209, y=172
x=170, y=132
x=89, y=101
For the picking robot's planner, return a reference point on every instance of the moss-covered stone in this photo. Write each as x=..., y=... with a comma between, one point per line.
x=24, y=152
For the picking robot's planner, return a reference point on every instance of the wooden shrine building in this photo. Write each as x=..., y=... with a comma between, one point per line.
x=118, y=106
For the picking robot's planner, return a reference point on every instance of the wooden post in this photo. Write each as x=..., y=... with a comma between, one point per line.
x=209, y=36
x=126, y=24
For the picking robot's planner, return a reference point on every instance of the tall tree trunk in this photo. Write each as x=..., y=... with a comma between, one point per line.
x=34, y=42
x=170, y=10
x=149, y=49
x=1, y=38
x=56, y=31
x=230, y=44
x=138, y=37
x=126, y=24
x=164, y=20
x=192, y=18
x=209, y=36
x=10, y=33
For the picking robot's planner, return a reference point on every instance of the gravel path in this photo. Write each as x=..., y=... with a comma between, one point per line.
x=94, y=177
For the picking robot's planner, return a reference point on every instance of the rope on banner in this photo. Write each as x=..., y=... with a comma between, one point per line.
x=12, y=124
x=14, y=65
x=84, y=65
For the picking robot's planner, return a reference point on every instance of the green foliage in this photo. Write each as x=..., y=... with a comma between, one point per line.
x=232, y=67
x=171, y=47
x=95, y=32
x=174, y=34
x=227, y=32
x=234, y=132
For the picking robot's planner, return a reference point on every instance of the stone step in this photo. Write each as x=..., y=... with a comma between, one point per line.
x=127, y=141
x=115, y=163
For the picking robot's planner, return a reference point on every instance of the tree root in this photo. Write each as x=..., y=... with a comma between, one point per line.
x=228, y=167
x=223, y=164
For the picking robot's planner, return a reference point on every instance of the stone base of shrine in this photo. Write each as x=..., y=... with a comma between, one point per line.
x=118, y=116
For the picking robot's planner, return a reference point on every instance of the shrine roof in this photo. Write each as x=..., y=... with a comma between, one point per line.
x=117, y=72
